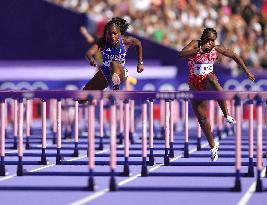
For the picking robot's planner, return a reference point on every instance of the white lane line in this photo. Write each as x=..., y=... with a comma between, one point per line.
x=7, y=177
x=11, y=151
x=251, y=190
x=96, y=195
x=51, y=165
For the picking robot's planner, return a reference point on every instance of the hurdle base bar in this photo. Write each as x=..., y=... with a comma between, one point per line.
x=131, y=137
x=151, y=157
x=15, y=144
x=2, y=167
x=250, y=172
x=259, y=186
x=171, y=150
x=237, y=186
x=75, y=151
x=43, y=161
x=20, y=171
x=166, y=157
x=59, y=158
x=112, y=183
x=101, y=146
x=186, y=151
x=120, y=137
x=126, y=169
x=91, y=182
x=198, y=143
x=144, y=171
x=27, y=142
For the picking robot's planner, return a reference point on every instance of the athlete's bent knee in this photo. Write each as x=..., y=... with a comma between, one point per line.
x=116, y=79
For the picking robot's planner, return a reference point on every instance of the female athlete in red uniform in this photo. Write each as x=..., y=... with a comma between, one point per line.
x=202, y=55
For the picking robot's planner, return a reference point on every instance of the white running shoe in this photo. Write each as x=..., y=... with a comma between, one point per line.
x=230, y=119
x=214, y=152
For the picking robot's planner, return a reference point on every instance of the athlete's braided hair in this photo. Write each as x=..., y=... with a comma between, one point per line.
x=208, y=30
x=120, y=23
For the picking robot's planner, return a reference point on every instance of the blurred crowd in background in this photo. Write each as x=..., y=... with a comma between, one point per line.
x=241, y=24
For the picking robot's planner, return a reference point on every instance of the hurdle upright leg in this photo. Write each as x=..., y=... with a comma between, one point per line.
x=144, y=171
x=2, y=138
x=167, y=133
x=171, y=128
x=259, y=186
x=237, y=186
x=162, y=119
x=43, y=156
x=20, y=139
x=76, y=129
x=15, y=123
x=113, y=158
x=132, y=125
x=101, y=124
x=120, y=135
x=250, y=172
x=91, y=144
x=59, y=157
x=28, y=126
x=53, y=107
x=126, y=169
x=151, y=135
x=186, y=150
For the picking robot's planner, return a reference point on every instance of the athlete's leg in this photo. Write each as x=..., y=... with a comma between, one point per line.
x=98, y=82
x=117, y=74
x=200, y=109
x=212, y=83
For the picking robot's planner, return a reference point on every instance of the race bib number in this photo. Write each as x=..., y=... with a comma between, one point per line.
x=203, y=69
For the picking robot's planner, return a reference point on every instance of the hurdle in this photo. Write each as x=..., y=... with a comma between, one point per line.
x=146, y=100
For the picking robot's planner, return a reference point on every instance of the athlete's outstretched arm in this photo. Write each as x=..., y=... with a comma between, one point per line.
x=90, y=54
x=189, y=50
x=229, y=53
x=89, y=38
x=131, y=41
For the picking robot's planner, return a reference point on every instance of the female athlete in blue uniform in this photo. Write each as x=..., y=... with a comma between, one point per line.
x=113, y=46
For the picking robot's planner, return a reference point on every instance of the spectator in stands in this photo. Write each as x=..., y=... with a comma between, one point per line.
x=174, y=22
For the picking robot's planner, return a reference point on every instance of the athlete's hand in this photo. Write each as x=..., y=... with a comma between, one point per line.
x=140, y=68
x=250, y=76
x=92, y=62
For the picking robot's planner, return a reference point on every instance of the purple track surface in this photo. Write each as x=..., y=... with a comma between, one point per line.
x=193, y=180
